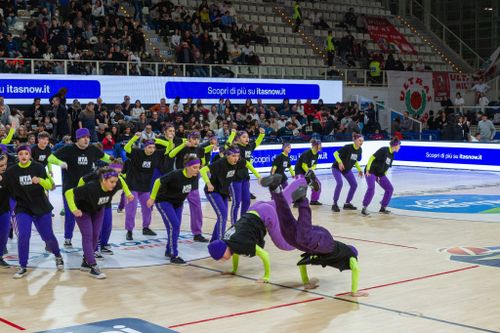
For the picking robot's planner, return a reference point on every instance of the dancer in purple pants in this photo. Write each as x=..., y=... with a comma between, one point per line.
x=345, y=158
x=27, y=182
x=308, y=160
x=375, y=171
x=88, y=203
x=281, y=163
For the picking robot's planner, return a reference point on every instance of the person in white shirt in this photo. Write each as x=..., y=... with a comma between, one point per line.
x=480, y=88
x=483, y=101
x=459, y=102
x=137, y=110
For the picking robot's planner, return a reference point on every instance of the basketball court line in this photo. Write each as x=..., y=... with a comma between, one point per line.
x=237, y=314
x=11, y=324
x=377, y=242
x=374, y=306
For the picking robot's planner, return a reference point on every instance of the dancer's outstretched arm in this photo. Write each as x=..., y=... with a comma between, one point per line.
x=264, y=256
x=354, y=266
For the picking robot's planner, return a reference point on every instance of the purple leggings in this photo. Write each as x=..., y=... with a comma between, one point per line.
x=370, y=191
x=131, y=209
x=69, y=220
x=301, y=233
x=349, y=176
x=240, y=196
x=43, y=225
x=219, y=204
x=172, y=218
x=195, y=213
x=90, y=227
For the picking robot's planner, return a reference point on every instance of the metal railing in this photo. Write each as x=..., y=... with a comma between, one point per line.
x=441, y=31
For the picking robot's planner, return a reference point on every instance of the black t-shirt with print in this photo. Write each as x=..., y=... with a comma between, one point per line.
x=282, y=162
x=90, y=198
x=245, y=234
x=338, y=258
x=80, y=162
x=30, y=198
x=40, y=155
x=94, y=177
x=179, y=158
x=222, y=174
x=308, y=158
x=140, y=169
x=349, y=156
x=246, y=154
x=382, y=163
x=175, y=187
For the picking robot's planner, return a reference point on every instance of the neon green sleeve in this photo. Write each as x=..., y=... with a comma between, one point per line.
x=125, y=188
x=353, y=264
x=49, y=177
x=230, y=139
x=155, y=189
x=81, y=182
x=292, y=172
x=305, y=167
x=162, y=142
x=9, y=136
x=259, y=139
x=236, y=260
x=314, y=167
x=264, y=256
x=46, y=183
x=251, y=168
x=303, y=274
x=70, y=199
x=337, y=157
x=357, y=166
x=54, y=160
x=204, y=174
x=369, y=164
x=130, y=143
x=176, y=150
x=106, y=158
x=209, y=148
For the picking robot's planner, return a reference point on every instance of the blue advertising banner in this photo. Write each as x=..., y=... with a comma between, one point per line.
x=452, y=155
x=40, y=88
x=119, y=325
x=241, y=90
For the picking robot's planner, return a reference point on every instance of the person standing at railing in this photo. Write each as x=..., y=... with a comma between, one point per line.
x=459, y=103
x=406, y=123
x=480, y=88
x=486, y=129
x=297, y=16
x=330, y=48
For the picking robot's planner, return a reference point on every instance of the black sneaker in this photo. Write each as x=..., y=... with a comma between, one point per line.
x=315, y=203
x=312, y=181
x=95, y=272
x=21, y=272
x=299, y=194
x=148, y=232
x=85, y=267
x=306, y=259
x=119, y=210
x=106, y=250
x=60, y=263
x=384, y=210
x=98, y=256
x=335, y=208
x=129, y=235
x=252, y=196
x=168, y=254
x=177, y=260
x=4, y=264
x=364, y=212
x=62, y=212
x=200, y=239
x=67, y=243
x=272, y=181
x=349, y=206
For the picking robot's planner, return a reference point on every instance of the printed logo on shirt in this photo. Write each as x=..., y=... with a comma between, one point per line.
x=146, y=164
x=248, y=154
x=42, y=158
x=229, y=233
x=83, y=160
x=388, y=161
x=186, y=188
x=354, y=157
x=103, y=201
x=25, y=180
x=230, y=174
x=285, y=165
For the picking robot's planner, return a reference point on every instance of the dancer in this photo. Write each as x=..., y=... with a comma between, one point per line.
x=170, y=141
x=308, y=161
x=246, y=236
x=139, y=179
x=240, y=187
x=281, y=163
x=169, y=192
x=87, y=203
x=27, y=182
x=107, y=223
x=41, y=151
x=375, y=171
x=345, y=158
x=76, y=160
x=4, y=210
x=222, y=174
x=318, y=244
x=192, y=146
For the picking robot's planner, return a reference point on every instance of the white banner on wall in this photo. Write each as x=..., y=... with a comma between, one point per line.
x=410, y=91
x=23, y=88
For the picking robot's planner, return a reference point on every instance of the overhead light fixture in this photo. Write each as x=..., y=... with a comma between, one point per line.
x=488, y=9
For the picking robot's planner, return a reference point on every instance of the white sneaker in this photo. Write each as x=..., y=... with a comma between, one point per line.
x=21, y=272
x=95, y=272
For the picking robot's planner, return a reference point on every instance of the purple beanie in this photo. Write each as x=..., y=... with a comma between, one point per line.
x=24, y=147
x=148, y=142
x=217, y=249
x=354, y=250
x=82, y=132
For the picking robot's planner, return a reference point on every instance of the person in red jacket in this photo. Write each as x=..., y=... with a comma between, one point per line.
x=108, y=143
x=309, y=108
